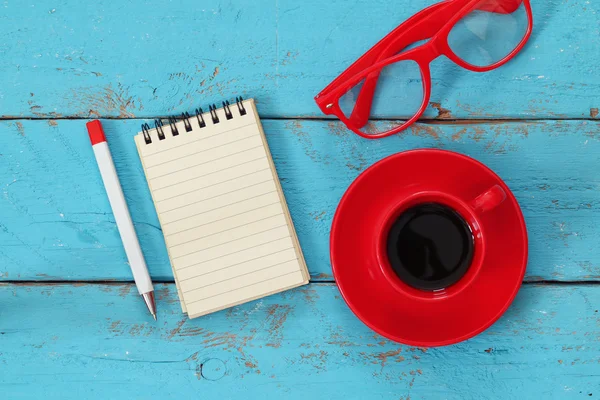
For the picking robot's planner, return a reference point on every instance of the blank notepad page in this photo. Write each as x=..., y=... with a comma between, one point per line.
x=227, y=228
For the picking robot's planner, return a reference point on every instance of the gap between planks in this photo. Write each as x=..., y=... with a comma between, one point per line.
x=321, y=282
x=429, y=121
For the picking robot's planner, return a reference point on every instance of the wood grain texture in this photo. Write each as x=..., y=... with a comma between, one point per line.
x=57, y=223
x=122, y=59
x=83, y=341
x=65, y=59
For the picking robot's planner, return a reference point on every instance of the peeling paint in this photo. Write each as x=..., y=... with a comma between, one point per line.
x=176, y=330
x=124, y=290
x=338, y=128
x=109, y=100
x=317, y=360
x=317, y=216
x=383, y=357
x=425, y=130
x=276, y=316
x=311, y=296
x=20, y=128
x=443, y=113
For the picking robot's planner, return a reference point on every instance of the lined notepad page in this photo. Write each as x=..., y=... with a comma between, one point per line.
x=227, y=228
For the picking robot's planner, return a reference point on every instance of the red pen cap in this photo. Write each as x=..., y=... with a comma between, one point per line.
x=96, y=132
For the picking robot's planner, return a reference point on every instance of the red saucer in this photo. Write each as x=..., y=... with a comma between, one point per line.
x=357, y=228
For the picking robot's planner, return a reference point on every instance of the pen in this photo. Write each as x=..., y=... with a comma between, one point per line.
x=121, y=213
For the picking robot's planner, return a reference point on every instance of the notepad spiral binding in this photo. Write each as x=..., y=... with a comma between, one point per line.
x=185, y=117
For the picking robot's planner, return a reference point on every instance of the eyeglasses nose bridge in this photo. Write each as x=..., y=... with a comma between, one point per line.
x=431, y=50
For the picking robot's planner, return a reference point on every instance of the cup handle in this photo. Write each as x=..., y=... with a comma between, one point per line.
x=489, y=199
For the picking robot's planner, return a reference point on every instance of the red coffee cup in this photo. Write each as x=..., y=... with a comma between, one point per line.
x=469, y=211
x=389, y=302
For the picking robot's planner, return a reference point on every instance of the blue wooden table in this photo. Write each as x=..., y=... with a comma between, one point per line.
x=71, y=323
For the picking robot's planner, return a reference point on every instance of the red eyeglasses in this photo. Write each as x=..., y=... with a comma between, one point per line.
x=479, y=35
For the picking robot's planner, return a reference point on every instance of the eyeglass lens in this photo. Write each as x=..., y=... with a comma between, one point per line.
x=484, y=37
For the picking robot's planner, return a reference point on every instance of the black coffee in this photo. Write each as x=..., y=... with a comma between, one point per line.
x=430, y=246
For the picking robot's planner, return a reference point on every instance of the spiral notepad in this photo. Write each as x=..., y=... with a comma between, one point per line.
x=227, y=228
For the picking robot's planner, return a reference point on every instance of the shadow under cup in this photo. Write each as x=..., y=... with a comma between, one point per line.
x=432, y=246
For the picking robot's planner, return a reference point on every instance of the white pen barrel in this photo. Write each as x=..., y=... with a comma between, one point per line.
x=122, y=217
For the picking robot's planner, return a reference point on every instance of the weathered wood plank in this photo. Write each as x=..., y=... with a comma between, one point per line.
x=83, y=341
x=56, y=221
x=71, y=58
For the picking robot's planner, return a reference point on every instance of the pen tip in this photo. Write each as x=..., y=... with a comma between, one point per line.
x=149, y=299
